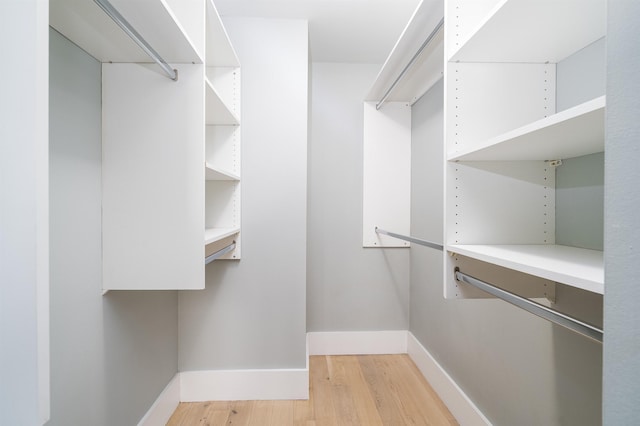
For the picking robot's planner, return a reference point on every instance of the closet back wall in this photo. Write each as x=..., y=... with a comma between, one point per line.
x=111, y=355
x=349, y=288
x=252, y=313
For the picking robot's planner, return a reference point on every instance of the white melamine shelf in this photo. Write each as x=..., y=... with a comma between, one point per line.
x=220, y=52
x=216, y=111
x=427, y=69
x=87, y=25
x=571, y=133
x=214, y=173
x=572, y=266
x=211, y=235
x=534, y=31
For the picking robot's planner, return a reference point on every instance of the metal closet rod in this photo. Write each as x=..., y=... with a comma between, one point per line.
x=542, y=311
x=410, y=64
x=410, y=239
x=219, y=253
x=135, y=36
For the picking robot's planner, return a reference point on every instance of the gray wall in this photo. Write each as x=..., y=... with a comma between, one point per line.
x=111, y=355
x=349, y=288
x=252, y=312
x=517, y=368
x=622, y=204
x=24, y=256
x=581, y=76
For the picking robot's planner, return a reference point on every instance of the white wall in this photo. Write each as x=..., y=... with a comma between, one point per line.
x=349, y=288
x=24, y=229
x=622, y=203
x=252, y=313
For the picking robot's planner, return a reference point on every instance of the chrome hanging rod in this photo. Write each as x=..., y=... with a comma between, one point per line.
x=411, y=62
x=131, y=32
x=542, y=311
x=410, y=239
x=219, y=253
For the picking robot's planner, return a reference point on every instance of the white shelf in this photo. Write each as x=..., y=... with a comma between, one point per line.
x=214, y=173
x=86, y=24
x=217, y=112
x=212, y=235
x=534, y=31
x=427, y=69
x=576, y=267
x=220, y=52
x=571, y=133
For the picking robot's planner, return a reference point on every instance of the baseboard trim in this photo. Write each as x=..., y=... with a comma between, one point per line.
x=164, y=406
x=358, y=342
x=460, y=405
x=243, y=385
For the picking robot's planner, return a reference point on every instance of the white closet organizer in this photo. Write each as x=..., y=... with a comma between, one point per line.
x=503, y=135
x=222, y=150
x=411, y=69
x=154, y=135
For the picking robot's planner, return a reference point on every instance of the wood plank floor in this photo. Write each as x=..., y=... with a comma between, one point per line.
x=365, y=390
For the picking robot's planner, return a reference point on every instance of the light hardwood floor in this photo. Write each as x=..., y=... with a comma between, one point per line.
x=365, y=390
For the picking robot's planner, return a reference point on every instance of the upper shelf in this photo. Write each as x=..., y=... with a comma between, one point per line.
x=220, y=52
x=572, y=266
x=571, y=133
x=534, y=31
x=217, y=112
x=159, y=23
x=427, y=69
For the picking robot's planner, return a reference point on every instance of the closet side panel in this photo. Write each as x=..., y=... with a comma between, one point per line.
x=153, y=178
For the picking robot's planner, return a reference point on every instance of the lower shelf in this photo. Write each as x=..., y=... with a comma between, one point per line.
x=572, y=266
x=212, y=235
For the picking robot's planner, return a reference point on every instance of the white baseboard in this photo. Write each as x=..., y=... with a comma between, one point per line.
x=243, y=385
x=462, y=408
x=357, y=342
x=236, y=385
x=162, y=409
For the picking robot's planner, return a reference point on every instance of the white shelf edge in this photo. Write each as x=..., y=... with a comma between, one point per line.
x=576, y=267
x=543, y=25
x=85, y=24
x=500, y=147
x=214, y=101
x=424, y=19
x=216, y=173
x=211, y=235
x=214, y=24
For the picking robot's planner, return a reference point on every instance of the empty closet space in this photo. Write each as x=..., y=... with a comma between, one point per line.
x=319, y=212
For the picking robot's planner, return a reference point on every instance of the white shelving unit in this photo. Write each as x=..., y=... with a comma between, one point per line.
x=387, y=129
x=153, y=222
x=223, y=139
x=501, y=131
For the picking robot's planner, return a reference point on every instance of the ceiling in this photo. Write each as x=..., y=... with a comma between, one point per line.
x=362, y=31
